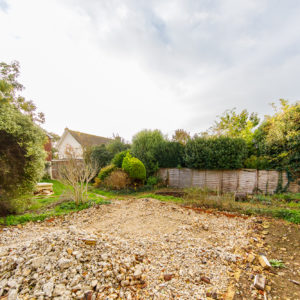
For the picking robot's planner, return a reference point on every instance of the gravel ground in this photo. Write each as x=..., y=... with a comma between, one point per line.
x=131, y=249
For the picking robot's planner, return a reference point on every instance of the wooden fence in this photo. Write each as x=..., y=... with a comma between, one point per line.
x=56, y=164
x=242, y=181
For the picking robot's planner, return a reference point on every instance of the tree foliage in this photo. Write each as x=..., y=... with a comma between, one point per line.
x=278, y=137
x=145, y=146
x=10, y=90
x=236, y=125
x=117, y=145
x=100, y=155
x=181, y=136
x=21, y=152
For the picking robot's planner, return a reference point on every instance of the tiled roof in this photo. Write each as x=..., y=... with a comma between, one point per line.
x=88, y=140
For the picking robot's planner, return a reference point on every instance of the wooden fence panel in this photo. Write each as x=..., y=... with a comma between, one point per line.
x=247, y=181
x=273, y=177
x=262, y=181
x=198, y=178
x=174, y=177
x=185, y=178
x=213, y=180
x=229, y=181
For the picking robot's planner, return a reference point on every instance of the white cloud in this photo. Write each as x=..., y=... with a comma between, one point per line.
x=114, y=66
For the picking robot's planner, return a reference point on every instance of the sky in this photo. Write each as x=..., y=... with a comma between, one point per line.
x=109, y=67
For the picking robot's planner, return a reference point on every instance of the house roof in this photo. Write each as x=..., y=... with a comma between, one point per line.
x=88, y=140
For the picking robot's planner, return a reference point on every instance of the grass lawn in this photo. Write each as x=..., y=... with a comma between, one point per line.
x=40, y=207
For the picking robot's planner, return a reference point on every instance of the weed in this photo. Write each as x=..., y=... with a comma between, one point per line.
x=277, y=263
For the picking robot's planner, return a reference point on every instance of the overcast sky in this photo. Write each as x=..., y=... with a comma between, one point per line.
x=119, y=66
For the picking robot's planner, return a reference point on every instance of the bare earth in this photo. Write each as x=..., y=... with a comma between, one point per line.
x=141, y=249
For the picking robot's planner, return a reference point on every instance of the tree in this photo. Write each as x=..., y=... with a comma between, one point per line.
x=10, y=89
x=99, y=155
x=117, y=145
x=145, y=146
x=77, y=173
x=236, y=125
x=21, y=153
x=181, y=136
x=278, y=137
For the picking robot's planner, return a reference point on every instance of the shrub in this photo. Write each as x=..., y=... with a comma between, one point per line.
x=215, y=153
x=105, y=172
x=134, y=167
x=100, y=155
x=117, y=180
x=153, y=180
x=21, y=153
x=118, y=158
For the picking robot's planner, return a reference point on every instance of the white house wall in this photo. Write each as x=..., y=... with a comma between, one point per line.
x=68, y=141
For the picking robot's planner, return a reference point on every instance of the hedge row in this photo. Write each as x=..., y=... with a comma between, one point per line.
x=215, y=153
x=198, y=153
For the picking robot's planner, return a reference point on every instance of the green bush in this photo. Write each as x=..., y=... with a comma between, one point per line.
x=100, y=156
x=21, y=153
x=215, y=153
x=105, y=172
x=153, y=180
x=134, y=167
x=118, y=158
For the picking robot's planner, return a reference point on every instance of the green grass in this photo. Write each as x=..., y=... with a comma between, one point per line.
x=34, y=208
x=59, y=210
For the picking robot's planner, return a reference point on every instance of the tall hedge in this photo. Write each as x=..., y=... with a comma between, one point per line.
x=170, y=154
x=215, y=153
